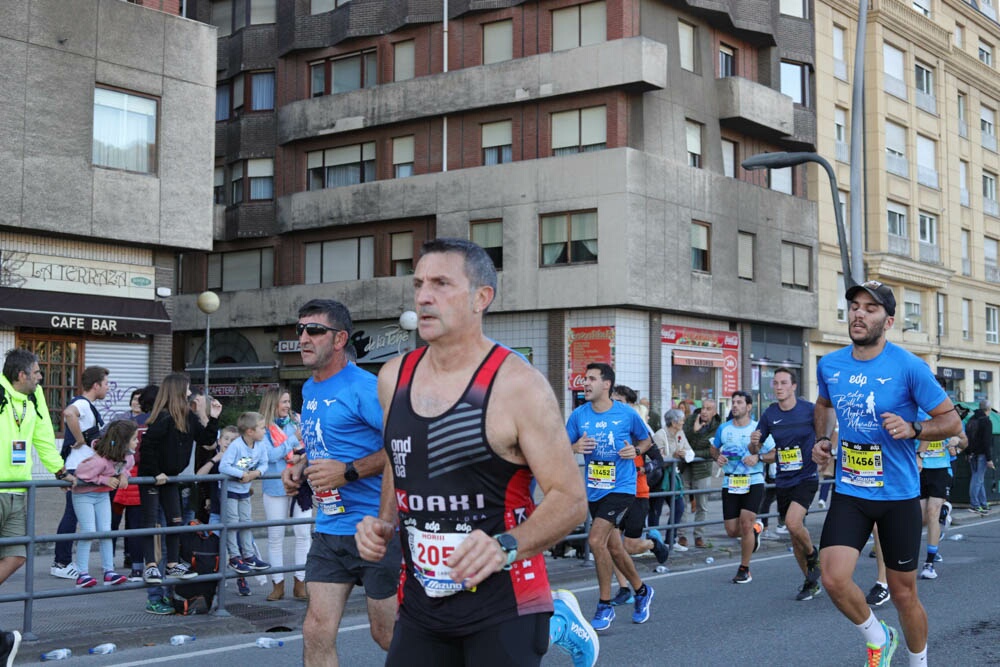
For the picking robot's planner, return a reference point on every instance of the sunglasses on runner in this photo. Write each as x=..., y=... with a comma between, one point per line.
x=314, y=329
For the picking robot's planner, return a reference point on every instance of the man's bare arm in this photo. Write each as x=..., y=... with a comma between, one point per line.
x=545, y=445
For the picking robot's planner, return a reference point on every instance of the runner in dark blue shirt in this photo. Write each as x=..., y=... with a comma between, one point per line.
x=790, y=423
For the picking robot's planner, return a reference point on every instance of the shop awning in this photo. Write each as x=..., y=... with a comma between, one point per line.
x=698, y=358
x=62, y=311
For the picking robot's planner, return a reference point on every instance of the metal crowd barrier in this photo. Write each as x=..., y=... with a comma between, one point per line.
x=31, y=539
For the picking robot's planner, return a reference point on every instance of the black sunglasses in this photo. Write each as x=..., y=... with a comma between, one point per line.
x=313, y=329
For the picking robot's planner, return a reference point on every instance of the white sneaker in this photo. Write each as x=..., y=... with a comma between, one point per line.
x=781, y=530
x=928, y=571
x=679, y=547
x=68, y=571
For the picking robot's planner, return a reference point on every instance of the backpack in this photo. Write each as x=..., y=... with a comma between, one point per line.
x=89, y=435
x=201, y=552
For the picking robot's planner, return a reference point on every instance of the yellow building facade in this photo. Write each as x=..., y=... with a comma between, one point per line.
x=931, y=225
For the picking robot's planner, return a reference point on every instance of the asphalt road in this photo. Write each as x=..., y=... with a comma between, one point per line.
x=701, y=619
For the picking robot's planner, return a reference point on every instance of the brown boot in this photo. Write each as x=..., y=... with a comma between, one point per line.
x=299, y=591
x=278, y=592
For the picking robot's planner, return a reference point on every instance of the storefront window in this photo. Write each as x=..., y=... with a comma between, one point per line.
x=695, y=383
x=60, y=361
x=981, y=386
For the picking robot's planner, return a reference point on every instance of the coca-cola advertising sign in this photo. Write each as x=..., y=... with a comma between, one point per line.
x=693, y=337
x=589, y=345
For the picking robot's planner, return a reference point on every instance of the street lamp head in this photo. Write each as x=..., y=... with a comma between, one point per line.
x=208, y=302
x=408, y=320
x=778, y=160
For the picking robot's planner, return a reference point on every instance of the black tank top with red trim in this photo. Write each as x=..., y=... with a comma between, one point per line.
x=449, y=482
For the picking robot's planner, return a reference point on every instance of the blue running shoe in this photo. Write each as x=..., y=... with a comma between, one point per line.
x=642, y=602
x=603, y=617
x=570, y=632
x=623, y=596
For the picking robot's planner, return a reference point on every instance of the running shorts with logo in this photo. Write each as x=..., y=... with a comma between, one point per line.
x=521, y=640
x=850, y=520
x=734, y=503
x=802, y=493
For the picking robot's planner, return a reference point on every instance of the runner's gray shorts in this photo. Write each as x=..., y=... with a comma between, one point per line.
x=334, y=559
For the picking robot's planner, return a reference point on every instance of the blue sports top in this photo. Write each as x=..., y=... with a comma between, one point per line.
x=937, y=455
x=342, y=420
x=794, y=436
x=870, y=463
x=733, y=442
x=606, y=471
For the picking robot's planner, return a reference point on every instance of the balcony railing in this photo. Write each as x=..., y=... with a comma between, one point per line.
x=840, y=69
x=963, y=128
x=963, y=196
x=990, y=207
x=966, y=267
x=992, y=273
x=988, y=142
x=897, y=164
x=930, y=253
x=843, y=152
x=927, y=102
x=899, y=245
x=927, y=176
x=895, y=86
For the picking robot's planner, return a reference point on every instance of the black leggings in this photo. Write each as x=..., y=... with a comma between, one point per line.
x=518, y=641
x=153, y=497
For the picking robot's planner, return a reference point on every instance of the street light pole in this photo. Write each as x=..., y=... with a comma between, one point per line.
x=208, y=303
x=782, y=160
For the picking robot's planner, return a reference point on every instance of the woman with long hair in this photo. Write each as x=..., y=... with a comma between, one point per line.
x=166, y=449
x=281, y=439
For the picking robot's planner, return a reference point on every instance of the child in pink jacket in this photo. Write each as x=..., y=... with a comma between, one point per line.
x=95, y=478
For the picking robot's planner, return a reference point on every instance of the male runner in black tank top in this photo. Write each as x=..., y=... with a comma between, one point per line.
x=467, y=426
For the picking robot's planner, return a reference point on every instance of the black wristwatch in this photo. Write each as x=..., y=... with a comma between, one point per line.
x=350, y=473
x=508, y=543
x=918, y=428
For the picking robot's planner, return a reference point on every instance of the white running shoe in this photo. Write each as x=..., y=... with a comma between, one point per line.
x=679, y=547
x=928, y=571
x=68, y=571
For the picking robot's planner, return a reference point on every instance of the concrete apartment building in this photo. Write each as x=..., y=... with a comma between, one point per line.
x=592, y=148
x=932, y=224
x=105, y=155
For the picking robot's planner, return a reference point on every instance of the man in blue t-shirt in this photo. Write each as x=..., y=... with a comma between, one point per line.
x=873, y=390
x=790, y=423
x=935, y=487
x=610, y=435
x=342, y=433
x=743, y=488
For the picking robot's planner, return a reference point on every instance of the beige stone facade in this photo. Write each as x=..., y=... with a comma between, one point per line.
x=932, y=222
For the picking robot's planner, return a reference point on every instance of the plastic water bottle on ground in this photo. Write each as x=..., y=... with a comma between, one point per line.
x=709, y=560
x=956, y=537
x=177, y=640
x=661, y=569
x=57, y=654
x=103, y=649
x=269, y=642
